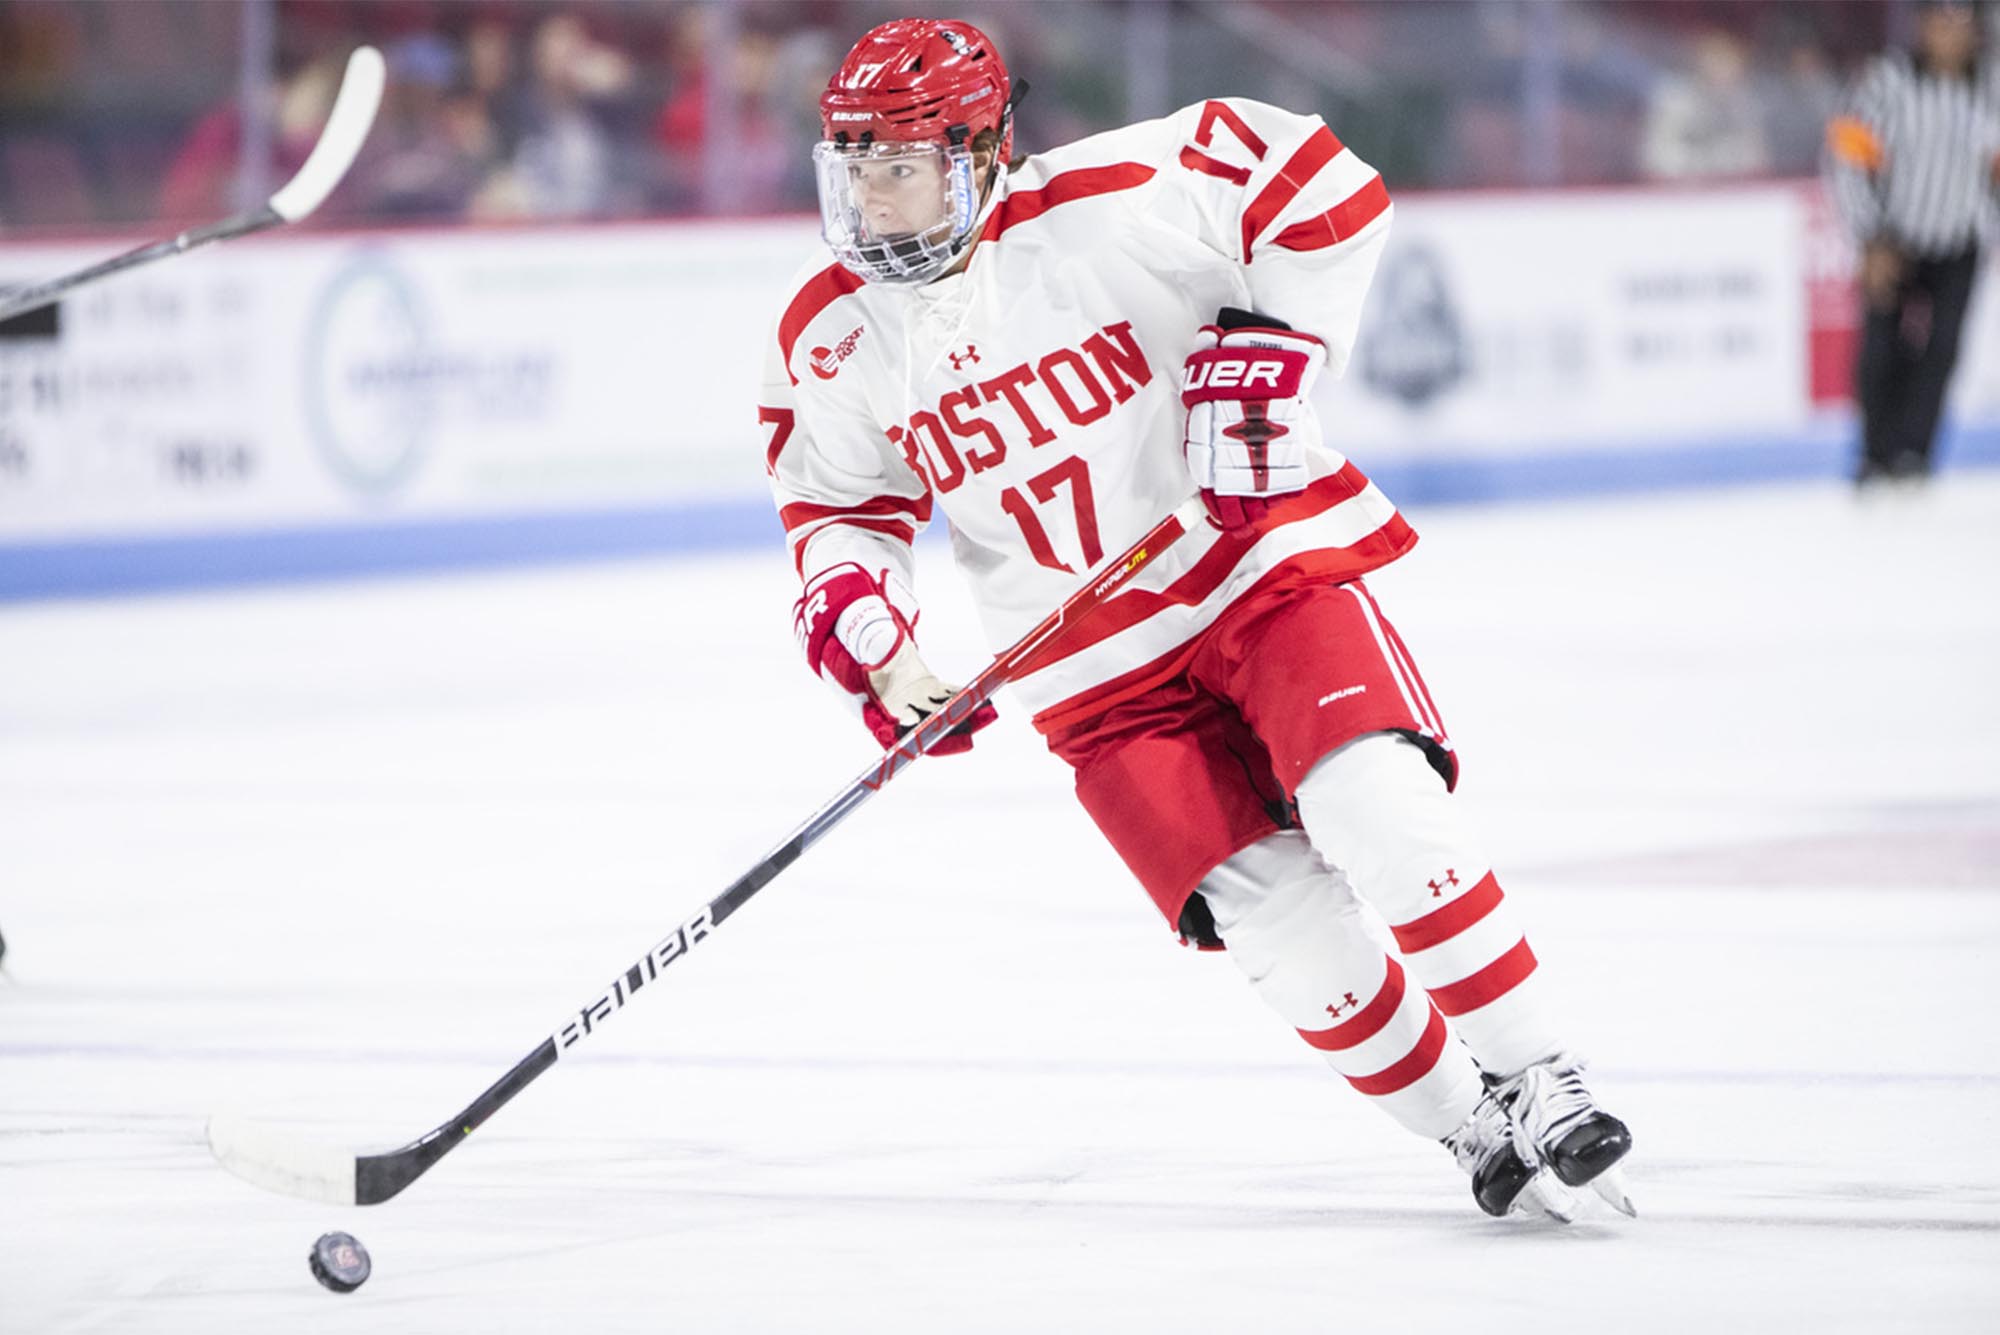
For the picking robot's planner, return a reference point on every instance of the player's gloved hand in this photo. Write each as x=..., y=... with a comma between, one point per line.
x=857, y=632
x=1249, y=418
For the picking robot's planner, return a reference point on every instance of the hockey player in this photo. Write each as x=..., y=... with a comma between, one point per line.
x=1058, y=351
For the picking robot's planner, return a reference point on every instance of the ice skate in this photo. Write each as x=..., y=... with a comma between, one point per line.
x=1579, y=1141
x=1505, y=1176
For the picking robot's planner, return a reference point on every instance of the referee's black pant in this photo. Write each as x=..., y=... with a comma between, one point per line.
x=1908, y=350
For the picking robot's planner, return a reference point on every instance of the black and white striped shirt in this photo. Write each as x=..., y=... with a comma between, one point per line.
x=1932, y=190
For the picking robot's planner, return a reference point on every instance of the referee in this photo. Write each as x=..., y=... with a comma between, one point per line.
x=1914, y=168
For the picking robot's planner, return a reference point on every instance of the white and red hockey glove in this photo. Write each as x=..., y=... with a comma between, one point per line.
x=1250, y=420
x=857, y=630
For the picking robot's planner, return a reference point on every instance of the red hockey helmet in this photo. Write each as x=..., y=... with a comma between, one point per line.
x=899, y=193
x=920, y=79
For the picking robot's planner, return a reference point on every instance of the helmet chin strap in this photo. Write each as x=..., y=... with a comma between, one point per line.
x=989, y=198
x=1014, y=96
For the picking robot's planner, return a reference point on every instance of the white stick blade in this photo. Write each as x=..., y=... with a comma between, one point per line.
x=276, y=1161
x=346, y=128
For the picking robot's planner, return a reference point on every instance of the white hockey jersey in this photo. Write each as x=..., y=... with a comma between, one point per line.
x=1034, y=396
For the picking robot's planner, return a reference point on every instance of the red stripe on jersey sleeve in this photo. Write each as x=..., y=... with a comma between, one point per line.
x=1365, y=1023
x=1318, y=150
x=1423, y=1059
x=1494, y=981
x=1067, y=188
x=819, y=292
x=1338, y=223
x=1453, y=918
x=800, y=513
x=881, y=514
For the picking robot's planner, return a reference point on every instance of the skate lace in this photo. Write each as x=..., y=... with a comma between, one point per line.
x=1549, y=1098
x=1484, y=1133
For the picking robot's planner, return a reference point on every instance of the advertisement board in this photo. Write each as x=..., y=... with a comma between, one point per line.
x=1503, y=325
x=315, y=404
x=382, y=378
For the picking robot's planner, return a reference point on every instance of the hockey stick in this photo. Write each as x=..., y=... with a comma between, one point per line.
x=279, y=1162
x=346, y=127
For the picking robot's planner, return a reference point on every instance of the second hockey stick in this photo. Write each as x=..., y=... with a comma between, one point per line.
x=347, y=127
x=278, y=1161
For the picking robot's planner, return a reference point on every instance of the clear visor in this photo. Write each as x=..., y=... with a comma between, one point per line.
x=896, y=212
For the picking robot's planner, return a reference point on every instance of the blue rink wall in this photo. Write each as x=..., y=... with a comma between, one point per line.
x=142, y=565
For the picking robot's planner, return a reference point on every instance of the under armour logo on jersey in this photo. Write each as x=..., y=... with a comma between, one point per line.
x=1346, y=1002
x=1450, y=879
x=959, y=360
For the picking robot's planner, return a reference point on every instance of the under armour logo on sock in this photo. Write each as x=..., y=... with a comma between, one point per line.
x=1450, y=879
x=1347, y=1002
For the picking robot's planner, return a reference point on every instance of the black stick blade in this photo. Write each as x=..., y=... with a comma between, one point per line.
x=377, y=1177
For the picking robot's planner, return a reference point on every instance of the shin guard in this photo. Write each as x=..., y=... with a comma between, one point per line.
x=1376, y=809
x=1296, y=930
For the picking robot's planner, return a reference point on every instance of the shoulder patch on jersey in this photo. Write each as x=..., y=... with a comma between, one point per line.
x=826, y=362
x=814, y=296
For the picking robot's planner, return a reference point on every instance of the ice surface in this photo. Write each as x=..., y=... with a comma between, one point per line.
x=340, y=855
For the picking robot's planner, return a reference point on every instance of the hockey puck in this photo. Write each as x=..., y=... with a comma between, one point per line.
x=339, y=1261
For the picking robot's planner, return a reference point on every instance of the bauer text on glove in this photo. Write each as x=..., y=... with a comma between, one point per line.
x=1250, y=421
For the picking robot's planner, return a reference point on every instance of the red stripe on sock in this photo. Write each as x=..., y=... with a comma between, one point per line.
x=1365, y=1023
x=1452, y=919
x=1495, y=980
x=1423, y=1059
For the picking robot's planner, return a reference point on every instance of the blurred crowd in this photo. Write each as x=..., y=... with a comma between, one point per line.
x=117, y=111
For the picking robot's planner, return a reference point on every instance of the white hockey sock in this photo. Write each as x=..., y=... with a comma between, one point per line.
x=1378, y=810
x=1294, y=927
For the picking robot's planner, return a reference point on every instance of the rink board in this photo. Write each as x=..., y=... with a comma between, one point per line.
x=343, y=404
